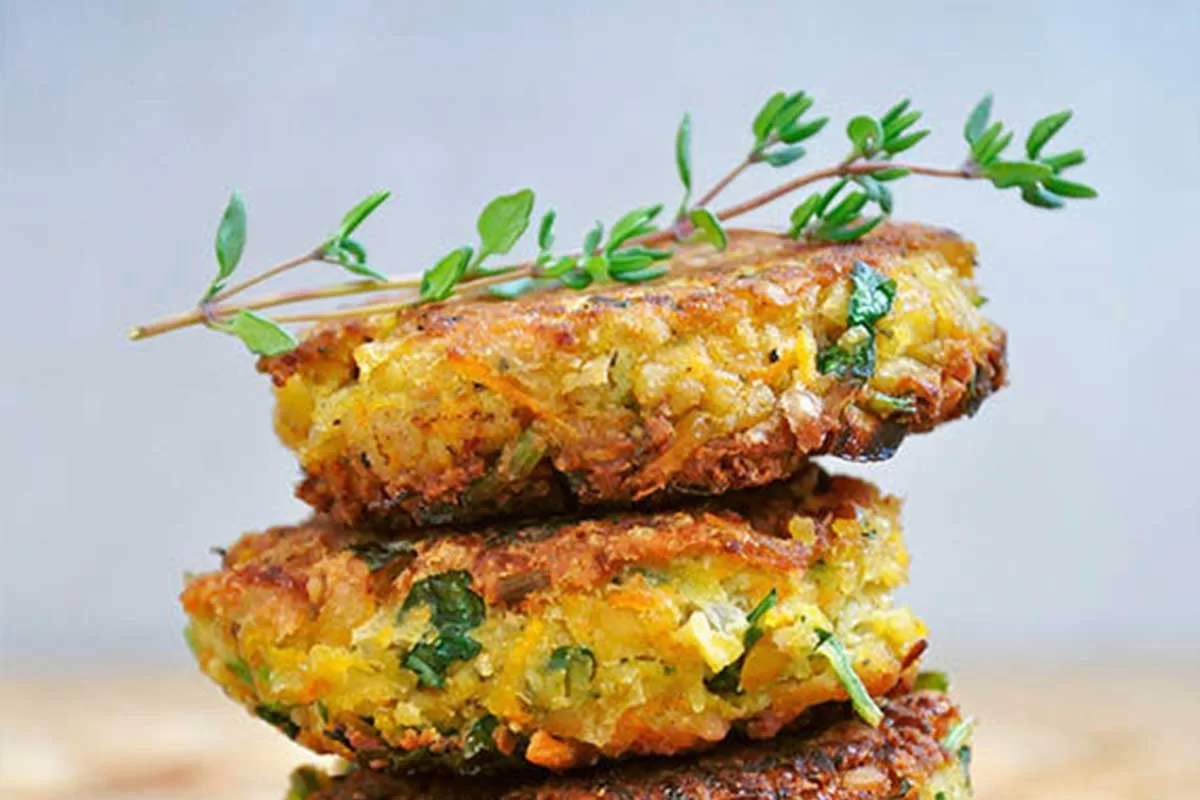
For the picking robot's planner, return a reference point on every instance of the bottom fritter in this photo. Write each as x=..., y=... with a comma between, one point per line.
x=919, y=752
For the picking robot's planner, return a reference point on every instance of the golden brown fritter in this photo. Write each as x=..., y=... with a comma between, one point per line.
x=563, y=642
x=723, y=376
x=834, y=757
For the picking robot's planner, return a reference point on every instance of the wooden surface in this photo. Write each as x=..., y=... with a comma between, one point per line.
x=1044, y=734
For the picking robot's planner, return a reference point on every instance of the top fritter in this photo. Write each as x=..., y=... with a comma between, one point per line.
x=725, y=375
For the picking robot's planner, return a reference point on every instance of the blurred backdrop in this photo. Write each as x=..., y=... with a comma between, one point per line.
x=1060, y=523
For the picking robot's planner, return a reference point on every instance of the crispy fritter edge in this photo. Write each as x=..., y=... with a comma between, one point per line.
x=827, y=757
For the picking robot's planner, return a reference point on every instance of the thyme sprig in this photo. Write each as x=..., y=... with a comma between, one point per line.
x=636, y=248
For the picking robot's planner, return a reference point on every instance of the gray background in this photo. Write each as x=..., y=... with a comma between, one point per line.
x=1061, y=522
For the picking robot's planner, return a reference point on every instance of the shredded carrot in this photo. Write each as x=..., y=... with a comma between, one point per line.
x=547, y=751
x=510, y=390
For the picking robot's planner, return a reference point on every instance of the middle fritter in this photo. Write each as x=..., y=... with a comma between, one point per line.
x=566, y=641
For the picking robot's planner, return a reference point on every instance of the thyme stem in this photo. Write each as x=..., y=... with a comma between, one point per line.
x=720, y=185
x=278, y=269
x=218, y=310
x=344, y=313
x=839, y=171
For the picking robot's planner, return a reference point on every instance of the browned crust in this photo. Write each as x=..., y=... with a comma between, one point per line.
x=711, y=286
x=833, y=758
x=516, y=564
x=627, y=455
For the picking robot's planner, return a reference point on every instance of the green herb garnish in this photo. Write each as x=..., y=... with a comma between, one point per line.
x=279, y=716
x=449, y=598
x=872, y=296
x=936, y=681
x=439, y=281
x=241, y=670
x=853, y=355
x=888, y=404
x=958, y=735
x=339, y=248
x=858, y=198
x=683, y=161
x=728, y=680
x=708, y=228
x=304, y=783
x=563, y=657
x=579, y=664
x=430, y=660
x=230, y=242
x=964, y=758
x=259, y=334
x=754, y=632
x=501, y=225
x=831, y=647
x=480, y=739
x=454, y=609
x=521, y=460
x=764, y=605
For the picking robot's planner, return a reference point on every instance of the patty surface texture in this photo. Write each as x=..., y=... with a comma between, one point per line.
x=834, y=757
x=562, y=642
x=724, y=375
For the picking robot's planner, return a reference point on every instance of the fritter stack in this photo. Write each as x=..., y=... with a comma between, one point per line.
x=574, y=528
